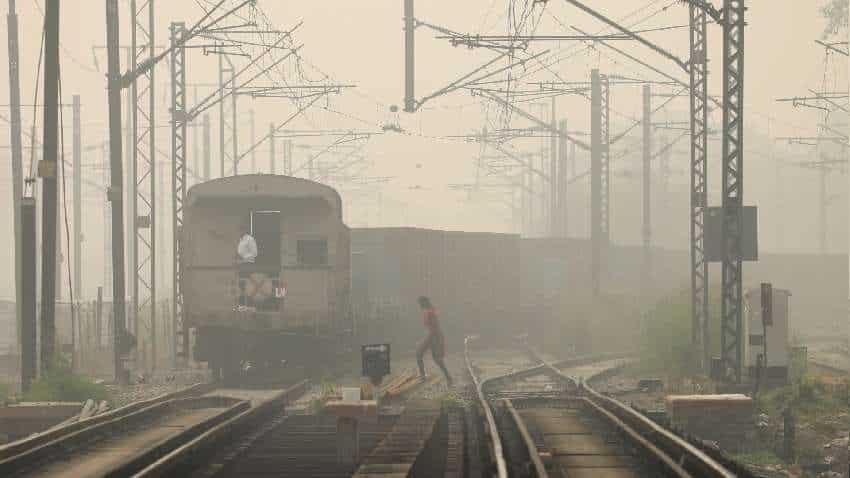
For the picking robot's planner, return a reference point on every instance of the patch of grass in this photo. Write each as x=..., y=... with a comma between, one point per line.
x=5, y=392
x=60, y=385
x=810, y=397
x=593, y=325
x=757, y=458
x=452, y=399
x=665, y=339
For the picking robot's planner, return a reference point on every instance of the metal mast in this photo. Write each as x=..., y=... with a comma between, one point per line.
x=180, y=346
x=144, y=170
x=733, y=187
x=605, y=155
x=699, y=190
x=595, y=178
x=226, y=126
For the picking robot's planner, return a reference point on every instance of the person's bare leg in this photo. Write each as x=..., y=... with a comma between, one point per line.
x=437, y=355
x=420, y=354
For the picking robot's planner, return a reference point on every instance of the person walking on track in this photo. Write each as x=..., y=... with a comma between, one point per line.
x=434, y=341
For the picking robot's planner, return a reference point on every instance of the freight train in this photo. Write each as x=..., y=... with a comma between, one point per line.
x=318, y=287
x=291, y=303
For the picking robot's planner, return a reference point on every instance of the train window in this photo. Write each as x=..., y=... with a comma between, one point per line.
x=312, y=252
x=756, y=340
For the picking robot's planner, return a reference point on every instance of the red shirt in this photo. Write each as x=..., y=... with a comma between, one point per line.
x=431, y=322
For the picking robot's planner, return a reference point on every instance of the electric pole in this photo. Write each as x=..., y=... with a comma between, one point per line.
x=47, y=169
x=287, y=157
x=553, y=173
x=251, y=132
x=115, y=193
x=698, y=109
x=77, y=240
x=17, y=175
x=272, y=166
x=409, y=69
x=207, y=147
x=647, y=184
x=562, y=182
x=731, y=313
x=599, y=177
x=179, y=119
x=143, y=222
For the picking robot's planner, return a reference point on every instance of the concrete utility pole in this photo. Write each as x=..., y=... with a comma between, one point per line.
x=77, y=239
x=128, y=189
x=287, y=157
x=409, y=69
x=115, y=193
x=553, y=174
x=647, y=184
x=207, y=147
x=823, y=203
x=251, y=132
x=107, y=238
x=17, y=167
x=47, y=169
x=197, y=130
x=28, y=307
x=562, y=182
x=272, y=165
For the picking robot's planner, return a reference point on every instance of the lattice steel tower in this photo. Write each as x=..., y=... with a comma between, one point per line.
x=179, y=119
x=142, y=91
x=733, y=187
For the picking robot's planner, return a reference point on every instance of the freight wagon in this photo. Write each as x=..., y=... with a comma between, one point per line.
x=472, y=278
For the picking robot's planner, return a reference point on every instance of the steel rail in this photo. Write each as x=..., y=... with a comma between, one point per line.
x=61, y=448
x=495, y=440
x=533, y=456
x=170, y=464
x=692, y=459
x=32, y=442
x=636, y=437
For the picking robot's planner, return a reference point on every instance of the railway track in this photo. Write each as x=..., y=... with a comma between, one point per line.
x=128, y=439
x=274, y=440
x=225, y=430
x=541, y=421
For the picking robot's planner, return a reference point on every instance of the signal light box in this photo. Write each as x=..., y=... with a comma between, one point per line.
x=375, y=360
x=714, y=234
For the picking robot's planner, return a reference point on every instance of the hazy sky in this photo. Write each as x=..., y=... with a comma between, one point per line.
x=361, y=43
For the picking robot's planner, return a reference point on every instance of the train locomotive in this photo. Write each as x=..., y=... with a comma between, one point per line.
x=291, y=304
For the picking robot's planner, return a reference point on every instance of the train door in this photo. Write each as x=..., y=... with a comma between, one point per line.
x=265, y=227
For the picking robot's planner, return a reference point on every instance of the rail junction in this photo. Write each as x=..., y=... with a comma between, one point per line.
x=541, y=419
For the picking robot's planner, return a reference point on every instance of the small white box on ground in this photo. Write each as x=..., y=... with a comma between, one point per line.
x=350, y=394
